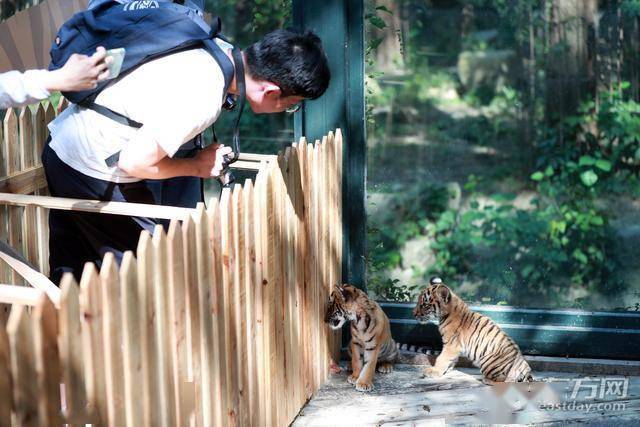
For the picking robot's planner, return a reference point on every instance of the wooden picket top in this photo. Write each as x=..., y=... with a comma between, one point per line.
x=216, y=321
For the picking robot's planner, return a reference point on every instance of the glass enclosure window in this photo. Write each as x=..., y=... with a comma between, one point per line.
x=245, y=22
x=504, y=150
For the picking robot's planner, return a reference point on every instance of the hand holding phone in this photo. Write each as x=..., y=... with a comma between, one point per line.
x=114, y=63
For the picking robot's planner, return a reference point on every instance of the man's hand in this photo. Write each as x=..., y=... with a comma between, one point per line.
x=209, y=162
x=80, y=72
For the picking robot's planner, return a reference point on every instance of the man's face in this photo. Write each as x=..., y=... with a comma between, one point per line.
x=266, y=97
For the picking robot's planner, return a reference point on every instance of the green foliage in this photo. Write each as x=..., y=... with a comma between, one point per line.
x=630, y=8
x=566, y=236
x=519, y=253
x=405, y=215
x=554, y=241
x=270, y=14
x=606, y=154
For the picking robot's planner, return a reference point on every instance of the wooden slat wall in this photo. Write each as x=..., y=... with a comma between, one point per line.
x=22, y=137
x=217, y=321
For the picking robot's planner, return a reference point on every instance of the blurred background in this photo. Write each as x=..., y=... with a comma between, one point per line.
x=504, y=150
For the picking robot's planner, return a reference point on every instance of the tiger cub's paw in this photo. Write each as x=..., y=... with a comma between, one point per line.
x=431, y=372
x=364, y=386
x=334, y=368
x=352, y=379
x=385, y=367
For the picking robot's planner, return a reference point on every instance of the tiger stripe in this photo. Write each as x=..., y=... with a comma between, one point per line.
x=471, y=334
x=371, y=340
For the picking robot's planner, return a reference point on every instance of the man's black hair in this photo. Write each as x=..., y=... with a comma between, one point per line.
x=295, y=62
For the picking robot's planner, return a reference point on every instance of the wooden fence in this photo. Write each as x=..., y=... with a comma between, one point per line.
x=22, y=139
x=217, y=321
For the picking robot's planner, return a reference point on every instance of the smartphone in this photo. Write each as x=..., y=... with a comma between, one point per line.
x=115, y=65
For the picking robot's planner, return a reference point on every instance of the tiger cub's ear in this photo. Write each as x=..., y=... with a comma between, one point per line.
x=347, y=292
x=435, y=280
x=444, y=294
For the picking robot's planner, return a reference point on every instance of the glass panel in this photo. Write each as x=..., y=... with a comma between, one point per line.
x=243, y=23
x=504, y=150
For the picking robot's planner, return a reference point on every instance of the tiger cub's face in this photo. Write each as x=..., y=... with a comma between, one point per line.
x=339, y=306
x=433, y=302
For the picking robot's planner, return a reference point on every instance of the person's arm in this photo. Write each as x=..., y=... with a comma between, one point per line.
x=188, y=103
x=80, y=72
x=144, y=158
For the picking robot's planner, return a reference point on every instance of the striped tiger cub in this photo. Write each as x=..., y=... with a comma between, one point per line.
x=471, y=334
x=370, y=334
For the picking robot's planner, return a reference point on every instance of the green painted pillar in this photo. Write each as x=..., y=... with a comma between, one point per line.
x=340, y=25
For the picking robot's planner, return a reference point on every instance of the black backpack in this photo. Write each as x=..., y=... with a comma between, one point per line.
x=147, y=29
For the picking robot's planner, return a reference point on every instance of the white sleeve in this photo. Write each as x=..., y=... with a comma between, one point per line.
x=18, y=89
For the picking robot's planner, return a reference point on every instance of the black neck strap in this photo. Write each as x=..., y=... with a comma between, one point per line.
x=241, y=92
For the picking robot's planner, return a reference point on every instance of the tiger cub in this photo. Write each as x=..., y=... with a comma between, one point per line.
x=471, y=334
x=370, y=334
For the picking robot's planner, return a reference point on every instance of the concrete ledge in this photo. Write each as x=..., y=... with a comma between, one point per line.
x=585, y=366
x=537, y=363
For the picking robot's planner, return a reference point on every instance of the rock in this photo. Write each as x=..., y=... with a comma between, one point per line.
x=455, y=195
x=380, y=205
x=489, y=70
x=484, y=35
x=627, y=237
x=417, y=254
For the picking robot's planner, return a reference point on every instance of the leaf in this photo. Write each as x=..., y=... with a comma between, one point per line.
x=580, y=256
x=586, y=161
x=377, y=22
x=589, y=178
x=603, y=164
x=548, y=171
x=373, y=45
x=537, y=176
x=384, y=9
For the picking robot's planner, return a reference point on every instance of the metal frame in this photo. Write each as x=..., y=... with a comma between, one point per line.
x=340, y=25
x=562, y=333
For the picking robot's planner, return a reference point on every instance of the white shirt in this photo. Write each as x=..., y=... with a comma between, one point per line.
x=175, y=97
x=18, y=89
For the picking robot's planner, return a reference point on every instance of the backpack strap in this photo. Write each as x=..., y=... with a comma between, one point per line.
x=228, y=70
x=113, y=115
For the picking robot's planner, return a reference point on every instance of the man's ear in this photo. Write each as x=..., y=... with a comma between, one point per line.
x=444, y=294
x=271, y=90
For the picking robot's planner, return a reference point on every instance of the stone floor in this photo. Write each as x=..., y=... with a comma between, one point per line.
x=404, y=398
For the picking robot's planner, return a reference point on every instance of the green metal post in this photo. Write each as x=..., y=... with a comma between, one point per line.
x=340, y=25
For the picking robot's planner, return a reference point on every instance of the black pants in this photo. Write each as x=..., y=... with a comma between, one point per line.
x=79, y=237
